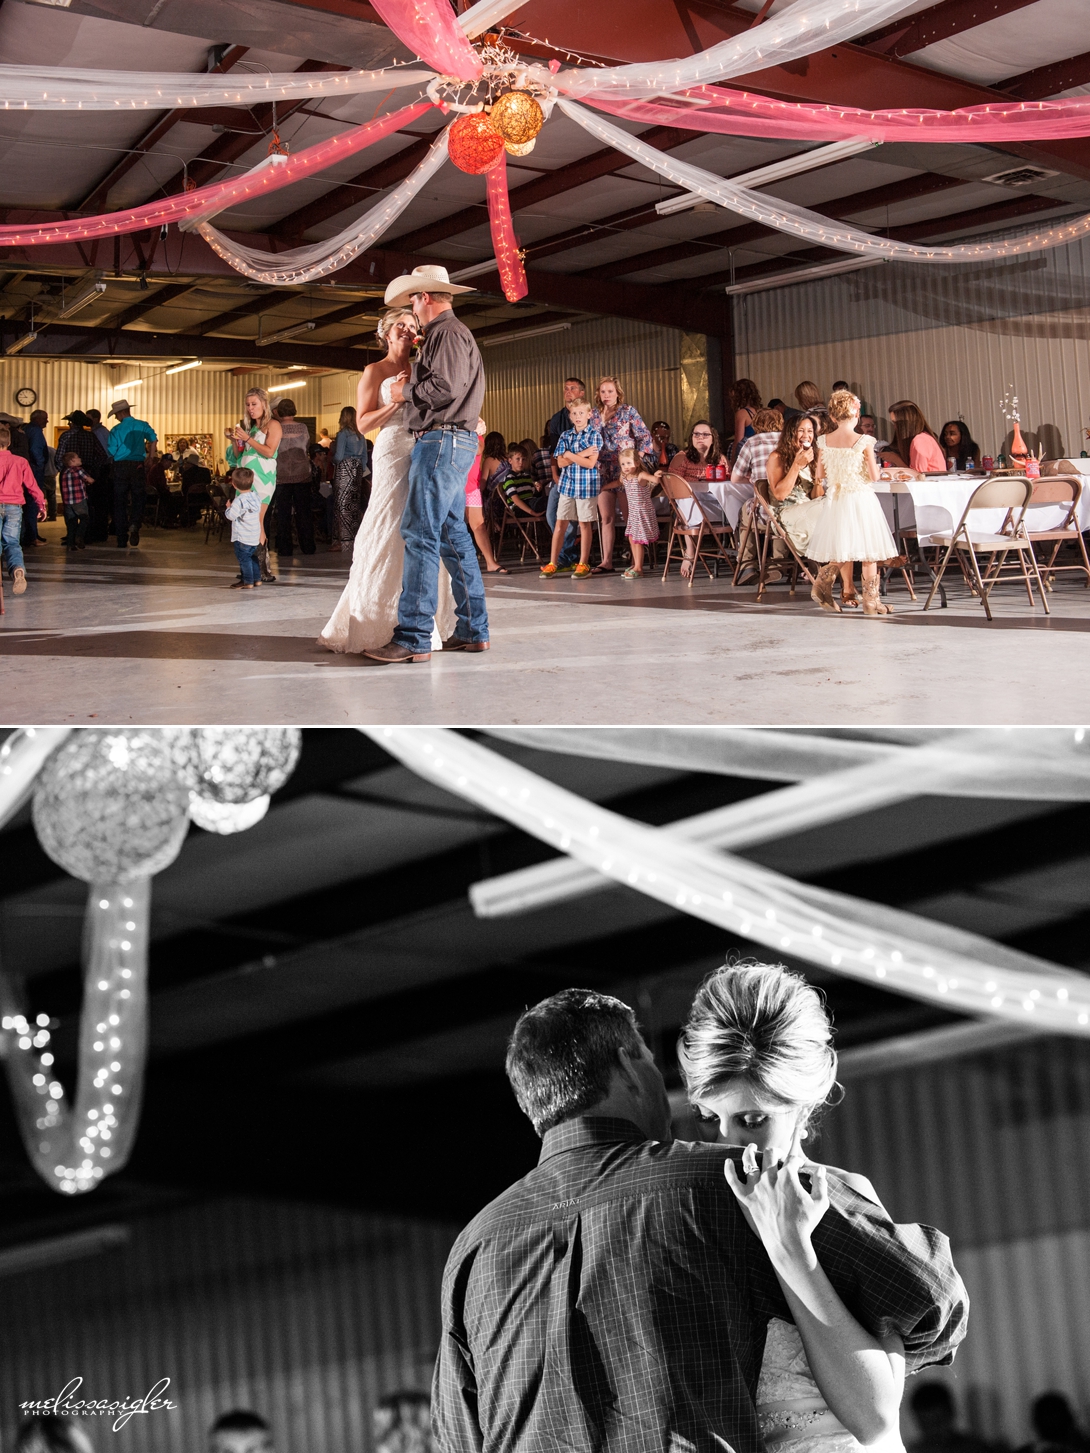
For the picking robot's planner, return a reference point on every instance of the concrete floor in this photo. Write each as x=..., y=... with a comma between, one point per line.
x=154, y=635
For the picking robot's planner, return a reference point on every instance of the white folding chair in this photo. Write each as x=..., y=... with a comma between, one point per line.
x=1012, y=494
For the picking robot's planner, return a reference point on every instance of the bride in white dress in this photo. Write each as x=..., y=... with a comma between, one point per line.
x=366, y=614
x=758, y=1062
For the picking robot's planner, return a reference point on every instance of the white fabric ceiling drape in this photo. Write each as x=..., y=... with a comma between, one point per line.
x=67, y=88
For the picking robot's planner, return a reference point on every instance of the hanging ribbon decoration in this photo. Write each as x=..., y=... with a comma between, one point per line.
x=429, y=29
x=270, y=174
x=504, y=242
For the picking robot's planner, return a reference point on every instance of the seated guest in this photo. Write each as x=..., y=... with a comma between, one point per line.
x=155, y=482
x=701, y=461
x=958, y=445
x=520, y=489
x=664, y=450
x=794, y=498
x=751, y=466
x=868, y=424
x=914, y=443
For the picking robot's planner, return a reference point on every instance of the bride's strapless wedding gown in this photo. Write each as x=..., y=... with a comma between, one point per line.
x=366, y=614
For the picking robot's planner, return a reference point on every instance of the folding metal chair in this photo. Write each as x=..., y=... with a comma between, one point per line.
x=1013, y=495
x=686, y=507
x=1051, y=491
x=522, y=525
x=771, y=532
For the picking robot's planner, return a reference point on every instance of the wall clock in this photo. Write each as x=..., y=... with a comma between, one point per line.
x=25, y=397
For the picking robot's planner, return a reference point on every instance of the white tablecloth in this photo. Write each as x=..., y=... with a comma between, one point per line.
x=936, y=505
x=731, y=497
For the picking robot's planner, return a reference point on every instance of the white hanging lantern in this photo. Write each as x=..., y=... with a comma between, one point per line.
x=234, y=764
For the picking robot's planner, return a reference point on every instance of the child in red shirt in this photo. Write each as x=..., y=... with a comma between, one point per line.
x=15, y=476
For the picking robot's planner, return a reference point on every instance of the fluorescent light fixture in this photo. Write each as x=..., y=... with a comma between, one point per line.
x=800, y=274
x=291, y=332
x=181, y=367
x=524, y=333
x=294, y=385
x=21, y=343
x=132, y=383
x=804, y=161
x=34, y=1255
x=475, y=271
x=88, y=295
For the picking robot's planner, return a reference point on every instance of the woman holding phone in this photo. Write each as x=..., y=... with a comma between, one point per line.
x=253, y=443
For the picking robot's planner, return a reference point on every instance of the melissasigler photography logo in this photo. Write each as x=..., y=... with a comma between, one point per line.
x=68, y=1404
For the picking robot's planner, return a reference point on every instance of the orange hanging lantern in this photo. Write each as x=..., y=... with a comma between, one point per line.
x=517, y=117
x=474, y=144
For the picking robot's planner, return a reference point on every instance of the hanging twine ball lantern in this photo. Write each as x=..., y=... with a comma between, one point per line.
x=108, y=806
x=474, y=144
x=227, y=817
x=234, y=764
x=524, y=150
x=517, y=117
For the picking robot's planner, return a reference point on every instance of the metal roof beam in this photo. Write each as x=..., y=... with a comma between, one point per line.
x=940, y=22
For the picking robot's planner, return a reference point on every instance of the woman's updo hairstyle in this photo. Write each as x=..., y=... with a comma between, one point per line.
x=764, y=1025
x=843, y=405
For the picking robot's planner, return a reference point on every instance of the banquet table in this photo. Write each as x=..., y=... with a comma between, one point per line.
x=935, y=505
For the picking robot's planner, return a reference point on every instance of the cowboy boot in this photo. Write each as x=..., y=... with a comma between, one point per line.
x=872, y=603
x=267, y=577
x=822, y=591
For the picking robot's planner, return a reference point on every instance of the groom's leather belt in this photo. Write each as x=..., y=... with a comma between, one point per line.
x=446, y=428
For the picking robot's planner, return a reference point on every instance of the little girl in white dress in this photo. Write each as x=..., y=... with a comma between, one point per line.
x=851, y=526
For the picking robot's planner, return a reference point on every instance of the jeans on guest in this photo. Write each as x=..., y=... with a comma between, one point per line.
x=246, y=555
x=433, y=526
x=11, y=525
x=130, y=491
x=77, y=517
x=569, y=555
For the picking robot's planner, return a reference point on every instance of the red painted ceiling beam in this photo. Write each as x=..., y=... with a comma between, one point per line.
x=940, y=22
x=1050, y=80
x=146, y=305
x=386, y=174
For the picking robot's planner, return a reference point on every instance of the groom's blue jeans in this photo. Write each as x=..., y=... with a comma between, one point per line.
x=433, y=526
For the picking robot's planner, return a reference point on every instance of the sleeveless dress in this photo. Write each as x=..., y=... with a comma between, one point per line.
x=366, y=614
x=791, y=1412
x=264, y=469
x=851, y=526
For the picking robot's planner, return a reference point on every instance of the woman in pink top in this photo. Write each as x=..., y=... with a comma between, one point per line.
x=914, y=442
x=15, y=477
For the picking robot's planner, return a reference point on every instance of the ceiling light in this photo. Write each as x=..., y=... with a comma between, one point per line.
x=523, y=333
x=799, y=274
x=286, y=333
x=20, y=343
x=132, y=383
x=88, y=295
x=296, y=383
x=791, y=166
x=181, y=367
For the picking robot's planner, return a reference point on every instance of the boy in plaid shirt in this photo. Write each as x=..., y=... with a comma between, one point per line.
x=75, y=482
x=576, y=457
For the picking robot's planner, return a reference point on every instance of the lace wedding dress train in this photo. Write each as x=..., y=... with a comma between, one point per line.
x=366, y=614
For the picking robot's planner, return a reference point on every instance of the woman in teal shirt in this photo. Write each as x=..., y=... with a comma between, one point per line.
x=256, y=450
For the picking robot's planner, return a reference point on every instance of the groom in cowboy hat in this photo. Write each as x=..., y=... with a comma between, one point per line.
x=444, y=393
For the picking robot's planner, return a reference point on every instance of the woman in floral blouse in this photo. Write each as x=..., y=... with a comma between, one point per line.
x=620, y=427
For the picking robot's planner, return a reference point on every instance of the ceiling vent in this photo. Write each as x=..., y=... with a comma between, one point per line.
x=1020, y=176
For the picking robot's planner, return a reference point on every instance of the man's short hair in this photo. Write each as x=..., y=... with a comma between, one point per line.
x=579, y=381
x=438, y=297
x=239, y=1420
x=563, y=1051
x=95, y=416
x=286, y=407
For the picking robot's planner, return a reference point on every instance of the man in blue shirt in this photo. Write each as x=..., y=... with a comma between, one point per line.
x=39, y=459
x=560, y=423
x=132, y=442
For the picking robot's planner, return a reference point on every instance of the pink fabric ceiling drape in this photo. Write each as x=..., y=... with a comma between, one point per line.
x=504, y=242
x=429, y=29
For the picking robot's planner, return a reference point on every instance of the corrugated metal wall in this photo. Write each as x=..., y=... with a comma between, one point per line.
x=526, y=379
x=954, y=339
x=304, y=1314
x=995, y=1150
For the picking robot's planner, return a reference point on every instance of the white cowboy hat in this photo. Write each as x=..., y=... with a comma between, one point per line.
x=117, y=404
x=426, y=279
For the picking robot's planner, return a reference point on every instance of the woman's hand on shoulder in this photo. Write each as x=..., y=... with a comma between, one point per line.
x=777, y=1205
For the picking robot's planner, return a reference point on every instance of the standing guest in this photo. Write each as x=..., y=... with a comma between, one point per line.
x=475, y=497
x=746, y=399
x=641, y=525
x=932, y=1405
x=577, y=454
x=293, y=482
x=444, y=393
x=132, y=443
x=16, y=481
x=493, y=462
x=244, y=512
x=958, y=445
x=914, y=443
x=349, y=472
x=560, y=423
x=620, y=427
x=41, y=459
x=240, y=1431
x=99, y=429
x=851, y=526
x=1055, y=1427
x=547, y=477
x=75, y=483
x=20, y=447
x=79, y=438
x=253, y=443
x=701, y=461
x=324, y=441
x=663, y=450
x=519, y=489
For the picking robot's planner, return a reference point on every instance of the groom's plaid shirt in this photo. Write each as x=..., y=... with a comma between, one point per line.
x=614, y=1300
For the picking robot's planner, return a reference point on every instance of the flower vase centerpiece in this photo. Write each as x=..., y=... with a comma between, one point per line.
x=1019, y=451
